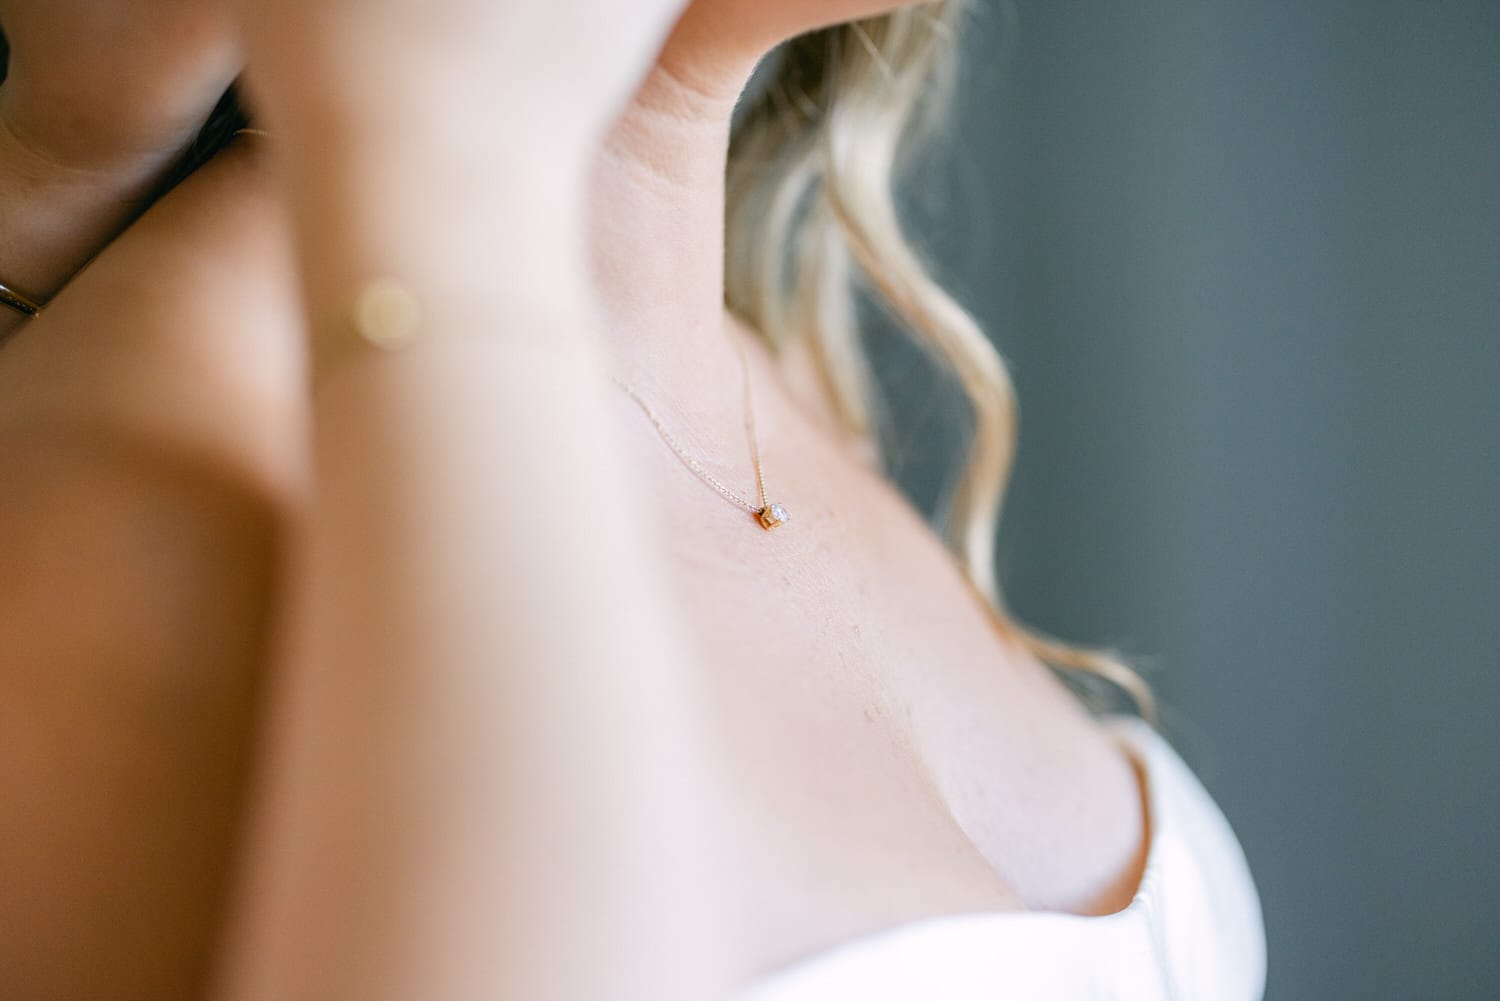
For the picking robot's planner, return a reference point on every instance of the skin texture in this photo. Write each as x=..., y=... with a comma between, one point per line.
x=877, y=649
x=142, y=528
x=95, y=84
x=716, y=43
x=99, y=100
x=889, y=755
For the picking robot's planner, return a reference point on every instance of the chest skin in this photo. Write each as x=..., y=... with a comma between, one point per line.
x=893, y=756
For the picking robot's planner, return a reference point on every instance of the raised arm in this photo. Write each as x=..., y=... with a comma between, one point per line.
x=485, y=773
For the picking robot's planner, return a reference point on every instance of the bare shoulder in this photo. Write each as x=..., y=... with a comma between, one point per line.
x=150, y=434
x=150, y=426
x=183, y=332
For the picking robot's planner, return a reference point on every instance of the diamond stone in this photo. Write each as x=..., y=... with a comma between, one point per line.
x=772, y=516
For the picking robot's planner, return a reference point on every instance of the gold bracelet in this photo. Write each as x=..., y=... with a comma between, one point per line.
x=387, y=316
x=25, y=305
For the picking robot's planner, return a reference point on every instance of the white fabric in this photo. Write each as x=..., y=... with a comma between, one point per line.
x=1193, y=932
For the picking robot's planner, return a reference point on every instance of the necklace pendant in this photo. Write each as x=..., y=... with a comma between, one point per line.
x=772, y=516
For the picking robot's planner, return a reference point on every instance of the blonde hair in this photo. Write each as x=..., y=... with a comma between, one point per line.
x=814, y=164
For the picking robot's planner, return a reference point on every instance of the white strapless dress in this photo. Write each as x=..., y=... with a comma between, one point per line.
x=1193, y=931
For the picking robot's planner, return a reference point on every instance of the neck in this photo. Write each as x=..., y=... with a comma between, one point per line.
x=659, y=199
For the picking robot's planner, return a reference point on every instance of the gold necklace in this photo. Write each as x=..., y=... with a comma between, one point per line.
x=388, y=315
x=767, y=514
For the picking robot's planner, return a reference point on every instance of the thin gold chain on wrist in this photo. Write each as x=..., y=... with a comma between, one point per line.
x=388, y=315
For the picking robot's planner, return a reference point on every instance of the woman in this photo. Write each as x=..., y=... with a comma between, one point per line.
x=571, y=686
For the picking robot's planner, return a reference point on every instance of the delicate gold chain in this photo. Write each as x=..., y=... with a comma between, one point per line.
x=389, y=316
x=770, y=515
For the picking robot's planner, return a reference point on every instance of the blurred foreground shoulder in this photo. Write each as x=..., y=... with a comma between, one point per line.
x=150, y=430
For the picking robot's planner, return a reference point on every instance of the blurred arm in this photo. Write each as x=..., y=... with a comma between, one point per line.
x=486, y=772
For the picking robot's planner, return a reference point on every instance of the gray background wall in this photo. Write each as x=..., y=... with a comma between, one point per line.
x=1244, y=258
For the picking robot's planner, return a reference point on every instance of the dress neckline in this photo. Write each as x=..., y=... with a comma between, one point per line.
x=1142, y=745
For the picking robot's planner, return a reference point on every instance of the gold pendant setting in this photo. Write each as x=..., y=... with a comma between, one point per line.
x=772, y=516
